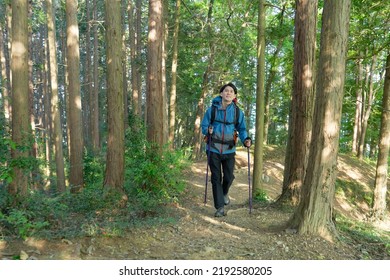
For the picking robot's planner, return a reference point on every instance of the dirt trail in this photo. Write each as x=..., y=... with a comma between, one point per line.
x=198, y=234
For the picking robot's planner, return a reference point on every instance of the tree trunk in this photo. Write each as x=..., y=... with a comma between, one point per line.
x=197, y=140
x=164, y=57
x=314, y=212
x=124, y=71
x=302, y=101
x=8, y=54
x=94, y=99
x=55, y=106
x=75, y=111
x=35, y=172
x=133, y=50
x=47, y=117
x=21, y=131
x=380, y=191
x=172, y=98
x=114, y=174
x=367, y=110
x=259, y=136
x=358, y=112
x=4, y=80
x=155, y=100
x=135, y=46
x=88, y=91
x=272, y=75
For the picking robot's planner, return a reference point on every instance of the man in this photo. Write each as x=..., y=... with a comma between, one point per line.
x=221, y=124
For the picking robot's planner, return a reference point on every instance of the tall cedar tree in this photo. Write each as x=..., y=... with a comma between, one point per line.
x=380, y=192
x=55, y=103
x=21, y=131
x=155, y=105
x=258, y=158
x=197, y=140
x=301, y=111
x=314, y=212
x=75, y=113
x=114, y=173
x=172, y=99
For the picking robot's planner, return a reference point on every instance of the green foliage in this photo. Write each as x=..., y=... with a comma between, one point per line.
x=261, y=196
x=152, y=174
x=5, y=155
x=7, y=163
x=22, y=222
x=152, y=181
x=93, y=169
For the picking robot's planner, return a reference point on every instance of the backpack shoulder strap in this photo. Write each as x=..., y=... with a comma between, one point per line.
x=237, y=114
x=213, y=112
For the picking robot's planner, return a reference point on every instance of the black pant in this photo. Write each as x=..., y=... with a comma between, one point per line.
x=221, y=184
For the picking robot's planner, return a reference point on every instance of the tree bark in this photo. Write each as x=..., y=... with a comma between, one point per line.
x=135, y=54
x=114, y=174
x=358, y=111
x=164, y=58
x=302, y=101
x=88, y=91
x=94, y=107
x=315, y=210
x=55, y=105
x=380, y=191
x=155, y=100
x=47, y=116
x=172, y=98
x=75, y=111
x=21, y=130
x=259, y=135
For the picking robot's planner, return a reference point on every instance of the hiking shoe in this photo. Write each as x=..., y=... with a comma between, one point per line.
x=220, y=212
x=226, y=199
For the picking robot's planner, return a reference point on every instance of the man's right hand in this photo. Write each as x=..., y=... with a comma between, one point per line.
x=211, y=129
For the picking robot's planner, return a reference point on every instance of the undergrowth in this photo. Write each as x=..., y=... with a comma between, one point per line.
x=152, y=182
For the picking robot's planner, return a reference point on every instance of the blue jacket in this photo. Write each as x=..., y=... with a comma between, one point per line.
x=224, y=126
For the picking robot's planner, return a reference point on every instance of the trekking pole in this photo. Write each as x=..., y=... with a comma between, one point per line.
x=207, y=166
x=249, y=182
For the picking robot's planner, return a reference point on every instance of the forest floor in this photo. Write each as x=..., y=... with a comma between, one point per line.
x=195, y=233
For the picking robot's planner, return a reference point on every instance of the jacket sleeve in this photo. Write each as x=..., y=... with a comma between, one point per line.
x=241, y=128
x=206, y=121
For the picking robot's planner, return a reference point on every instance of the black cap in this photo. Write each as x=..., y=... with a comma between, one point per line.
x=229, y=85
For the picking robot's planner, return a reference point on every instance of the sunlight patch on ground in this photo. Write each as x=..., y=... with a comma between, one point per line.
x=344, y=205
x=211, y=220
x=383, y=224
x=346, y=209
x=230, y=226
x=197, y=169
x=351, y=173
x=195, y=185
x=38, y=244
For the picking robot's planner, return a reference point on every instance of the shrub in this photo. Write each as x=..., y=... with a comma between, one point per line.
x=152, y=173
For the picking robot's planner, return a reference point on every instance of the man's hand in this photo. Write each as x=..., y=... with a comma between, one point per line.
x=211, y=129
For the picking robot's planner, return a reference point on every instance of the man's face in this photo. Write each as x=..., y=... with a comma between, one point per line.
x=228, y=94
